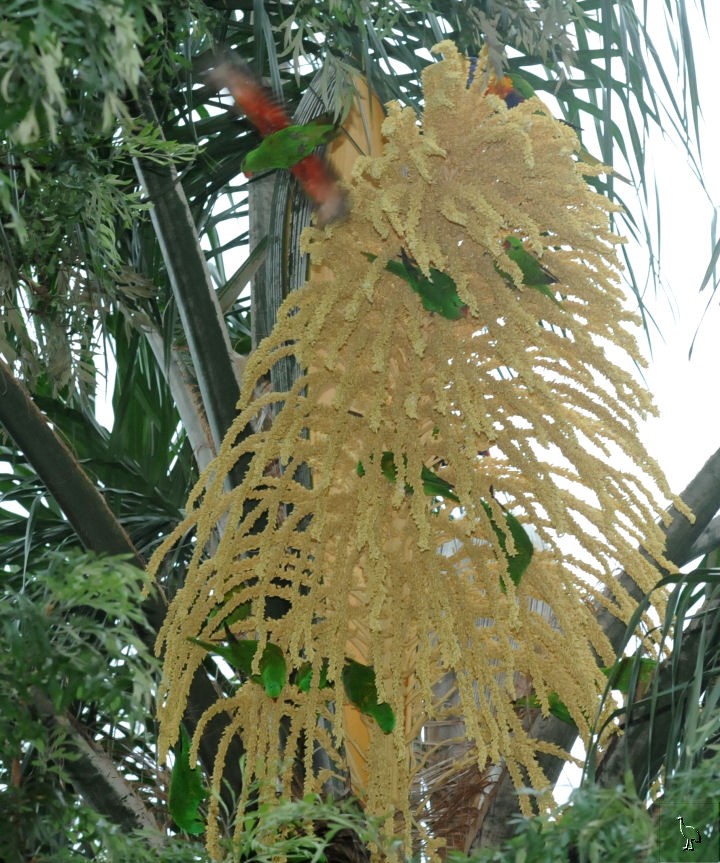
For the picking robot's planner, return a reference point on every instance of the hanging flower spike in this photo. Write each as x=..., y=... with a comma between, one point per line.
x=434, y=600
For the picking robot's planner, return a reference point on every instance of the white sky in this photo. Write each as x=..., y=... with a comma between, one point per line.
x=687, y=431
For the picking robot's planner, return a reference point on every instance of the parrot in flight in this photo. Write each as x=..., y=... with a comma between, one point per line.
x=287, y=147
x=284, y=145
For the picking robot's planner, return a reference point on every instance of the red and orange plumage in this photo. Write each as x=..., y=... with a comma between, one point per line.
x=505, y=88
x=313, y=173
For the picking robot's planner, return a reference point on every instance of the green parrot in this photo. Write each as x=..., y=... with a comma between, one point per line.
x=518, y=562
x=438, y=292
x=361, y=690
x=436, y=486
x=534, y=274
x=630, y=672
x=558, y=709
x=287, y=147
x=240, y=653
x=303, y=676
x=433, y=485
x=187, y=790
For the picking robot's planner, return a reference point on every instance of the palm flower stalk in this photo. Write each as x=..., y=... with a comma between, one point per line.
x=476, y=475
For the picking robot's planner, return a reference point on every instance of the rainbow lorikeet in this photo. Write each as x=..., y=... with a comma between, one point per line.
x=287, y=147
x=513, y=88
x=284, y=144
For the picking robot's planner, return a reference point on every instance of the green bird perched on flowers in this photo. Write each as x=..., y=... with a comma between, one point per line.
x=438, y=292
x=534, y=274
x=436, y=486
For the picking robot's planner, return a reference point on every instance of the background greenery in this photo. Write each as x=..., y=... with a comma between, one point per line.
x=109, y=138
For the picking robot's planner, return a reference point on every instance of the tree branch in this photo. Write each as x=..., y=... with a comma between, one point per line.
x=99, y=530
x=97, y=779
x=83, y=505
x=192, y=416
x=708, y=540
x=644, y=744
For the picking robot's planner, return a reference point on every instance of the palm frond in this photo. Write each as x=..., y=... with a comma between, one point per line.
x=669, y=723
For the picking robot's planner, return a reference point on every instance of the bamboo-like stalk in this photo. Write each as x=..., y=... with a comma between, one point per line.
x=192, y=289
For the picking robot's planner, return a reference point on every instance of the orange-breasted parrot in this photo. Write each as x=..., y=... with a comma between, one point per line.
x=513, y=88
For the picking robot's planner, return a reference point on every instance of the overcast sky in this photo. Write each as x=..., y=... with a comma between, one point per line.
x=686, y=389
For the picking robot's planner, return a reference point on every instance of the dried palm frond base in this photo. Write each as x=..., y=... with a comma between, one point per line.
x=455, y=799
x=409, y=550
